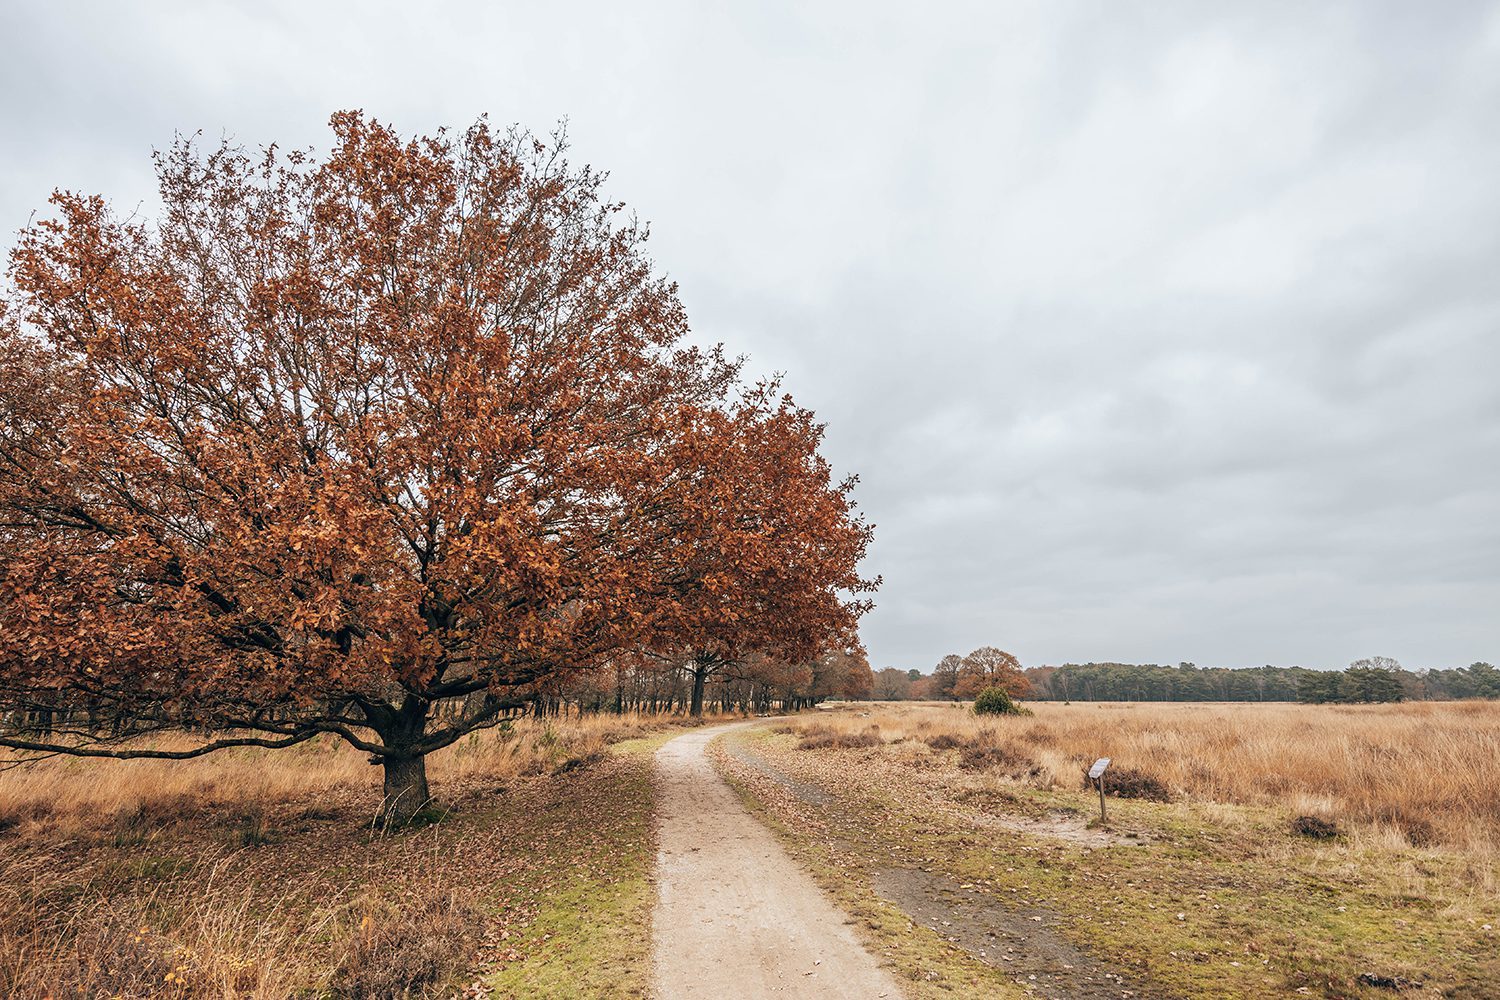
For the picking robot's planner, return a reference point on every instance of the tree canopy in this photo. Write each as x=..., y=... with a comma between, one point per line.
x=336, y=440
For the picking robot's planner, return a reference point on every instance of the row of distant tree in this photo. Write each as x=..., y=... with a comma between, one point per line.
x=755, y=683
x=1378, y=679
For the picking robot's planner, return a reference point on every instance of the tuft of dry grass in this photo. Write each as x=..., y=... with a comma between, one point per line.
x=401, y=951
x=815, y=737
x=1422, y=774
x=213, y=942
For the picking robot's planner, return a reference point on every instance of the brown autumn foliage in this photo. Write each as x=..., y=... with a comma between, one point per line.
x=989, y=667
x=334, y=443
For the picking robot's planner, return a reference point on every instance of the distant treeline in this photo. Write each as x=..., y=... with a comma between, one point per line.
x=1379, y=679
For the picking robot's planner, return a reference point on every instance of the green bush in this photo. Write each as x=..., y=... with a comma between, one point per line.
x=995, y=701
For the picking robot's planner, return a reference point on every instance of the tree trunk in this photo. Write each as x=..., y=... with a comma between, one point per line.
x=700, y=675
x=405, y=789
x=405, y=765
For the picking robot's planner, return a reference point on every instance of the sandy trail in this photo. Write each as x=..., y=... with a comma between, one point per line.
x=735, y=917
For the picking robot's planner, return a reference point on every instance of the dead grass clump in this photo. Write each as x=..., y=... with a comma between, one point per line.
x=823, y=738
x=317, y=813
x=1131, y=783
x=251, y=821
x=1040, y=736
x=1315, y=827
x=581, y=760
x=983, y=755
x=1416, y=828
x=135, y=823
x=400, y=953
x=217, y=944
x=104, y=954
x=13, y=814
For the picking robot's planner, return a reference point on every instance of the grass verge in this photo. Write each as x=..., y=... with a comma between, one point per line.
x=534, y=880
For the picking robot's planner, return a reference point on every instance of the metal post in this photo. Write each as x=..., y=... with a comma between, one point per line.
x=1103, y=816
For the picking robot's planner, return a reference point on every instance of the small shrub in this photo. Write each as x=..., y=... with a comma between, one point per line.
x=827, y=739
x=1041, y=736
x=253, y=830
x=579, y=760
x=984, y=756
x=945, y=741
x=1129, y=783
x=1315, y=827
x=996, y=701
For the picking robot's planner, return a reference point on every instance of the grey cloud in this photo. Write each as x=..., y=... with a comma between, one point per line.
x=1158, y=331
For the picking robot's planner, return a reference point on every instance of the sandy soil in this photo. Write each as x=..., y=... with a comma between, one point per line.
x=735, y=916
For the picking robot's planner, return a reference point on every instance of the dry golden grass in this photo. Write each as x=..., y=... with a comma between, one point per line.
x=1423, y=773
x=62, y=794
x=258, y=874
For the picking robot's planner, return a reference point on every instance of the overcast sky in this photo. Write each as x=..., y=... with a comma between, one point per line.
x=1155, y=331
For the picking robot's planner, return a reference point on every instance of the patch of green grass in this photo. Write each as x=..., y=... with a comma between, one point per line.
x=646, y=745
x=588, y=942
x=589, y=935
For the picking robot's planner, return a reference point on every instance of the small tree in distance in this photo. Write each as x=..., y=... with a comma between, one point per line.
x=892, y=684
x=945, y=677
x=988, y=667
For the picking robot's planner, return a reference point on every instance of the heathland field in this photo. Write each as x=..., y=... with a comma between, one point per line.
x=1264, y=851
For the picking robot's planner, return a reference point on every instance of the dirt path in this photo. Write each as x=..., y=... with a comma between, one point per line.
x=735, y=916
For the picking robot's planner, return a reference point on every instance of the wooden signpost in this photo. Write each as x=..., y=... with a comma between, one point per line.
x=1097, y=774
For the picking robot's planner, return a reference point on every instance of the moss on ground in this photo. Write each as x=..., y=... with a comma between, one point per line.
x=589, y=936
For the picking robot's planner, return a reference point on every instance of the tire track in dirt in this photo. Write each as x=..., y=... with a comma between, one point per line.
x=735, y=916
